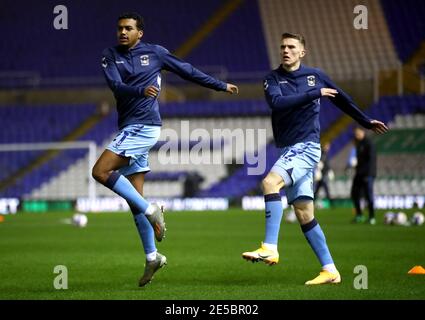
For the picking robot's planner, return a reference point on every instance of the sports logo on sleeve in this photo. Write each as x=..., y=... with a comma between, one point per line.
x=311, y=81
x=266, y=85
x=144, y=60
x=104, y=62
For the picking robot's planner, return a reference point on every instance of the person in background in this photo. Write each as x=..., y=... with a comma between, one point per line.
x=364, y=176
x=323, y=174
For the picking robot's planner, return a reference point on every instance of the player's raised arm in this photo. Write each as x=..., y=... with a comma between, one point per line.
x=188, y=72
x=344, y=102
x=113, y=78
x=277, y=100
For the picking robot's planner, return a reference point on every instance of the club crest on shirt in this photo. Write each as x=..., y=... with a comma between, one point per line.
x=311, y=81
x=144, y=60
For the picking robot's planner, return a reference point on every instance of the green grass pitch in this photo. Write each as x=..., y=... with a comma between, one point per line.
x=105, y=259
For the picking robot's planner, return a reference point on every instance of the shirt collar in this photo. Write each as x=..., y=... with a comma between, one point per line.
x=294, y=73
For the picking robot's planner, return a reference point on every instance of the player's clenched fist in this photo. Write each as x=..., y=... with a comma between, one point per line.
x=231, y=88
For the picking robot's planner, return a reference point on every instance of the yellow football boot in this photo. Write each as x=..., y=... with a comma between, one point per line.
x=325, y=277
x=268, y=256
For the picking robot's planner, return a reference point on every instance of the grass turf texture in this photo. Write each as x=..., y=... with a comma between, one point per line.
x=105, y=259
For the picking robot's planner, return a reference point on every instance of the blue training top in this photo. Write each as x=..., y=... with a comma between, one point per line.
x=129, y=71
x=294, y=98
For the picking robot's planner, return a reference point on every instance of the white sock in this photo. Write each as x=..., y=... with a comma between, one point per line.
x=270, y=246
x=330, y=267
x=149, y=210
x=151, y=256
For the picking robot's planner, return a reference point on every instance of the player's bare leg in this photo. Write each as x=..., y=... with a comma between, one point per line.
x=104, y=171
x=107, y=163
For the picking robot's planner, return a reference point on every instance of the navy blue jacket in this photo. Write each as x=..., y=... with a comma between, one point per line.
x=294, y=98
x=129, y=71
x=366, y=158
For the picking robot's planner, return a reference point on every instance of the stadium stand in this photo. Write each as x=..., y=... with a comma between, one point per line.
x=401, y=165
x=34, y=124
x=52, y=122
x=401, y=152
x=241, y=183
x=336, y=46
x=75, y=60
x=236, y=32
x=406, y=24
x=168, y=180
x=70, y=183
x=254, y=28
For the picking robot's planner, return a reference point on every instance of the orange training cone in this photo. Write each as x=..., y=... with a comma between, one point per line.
x=417, y=270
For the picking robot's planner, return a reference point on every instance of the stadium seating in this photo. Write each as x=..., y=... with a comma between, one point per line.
x=53, y=122
x=386, y=109
x=406, y=23
x=35, y=124
x=167, y=179
x=242, y=183
x=210, y=116
x=401, y=152
x=354, y=54
x=338, y=48
x=53, y=57
x=235, y=32
x=72, y=56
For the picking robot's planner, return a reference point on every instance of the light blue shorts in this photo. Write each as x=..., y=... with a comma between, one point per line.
x=296, y=166
x=135, y=141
